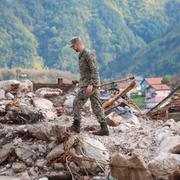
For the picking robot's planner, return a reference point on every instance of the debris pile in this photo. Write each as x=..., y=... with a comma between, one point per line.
x=35, y=142
x=167, y=108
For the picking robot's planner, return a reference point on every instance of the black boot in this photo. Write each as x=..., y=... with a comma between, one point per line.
x=103, y=131
x=75, y=126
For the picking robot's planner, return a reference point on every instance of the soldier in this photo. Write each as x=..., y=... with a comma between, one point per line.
x=88, y=84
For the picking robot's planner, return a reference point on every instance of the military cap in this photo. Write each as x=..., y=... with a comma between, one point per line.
x=74, y=40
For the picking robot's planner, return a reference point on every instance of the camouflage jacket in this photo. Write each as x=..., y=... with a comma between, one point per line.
x=88, y=69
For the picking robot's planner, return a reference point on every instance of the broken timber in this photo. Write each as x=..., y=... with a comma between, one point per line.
x=109, y=102
x=154, y=112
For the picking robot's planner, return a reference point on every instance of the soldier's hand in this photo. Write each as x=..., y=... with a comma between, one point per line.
x=89, y=89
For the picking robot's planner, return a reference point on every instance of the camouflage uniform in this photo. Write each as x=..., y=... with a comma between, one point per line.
x=88, y=75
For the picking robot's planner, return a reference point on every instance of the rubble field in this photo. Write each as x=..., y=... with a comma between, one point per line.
x=35, y=143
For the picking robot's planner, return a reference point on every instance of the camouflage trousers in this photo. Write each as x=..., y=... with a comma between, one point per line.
x=96, y=105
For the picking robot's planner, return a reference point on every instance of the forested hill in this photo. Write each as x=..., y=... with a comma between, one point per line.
x=128, y=36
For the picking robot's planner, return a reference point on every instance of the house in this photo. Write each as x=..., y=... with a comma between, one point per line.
x=154, y=90
x=150, y=81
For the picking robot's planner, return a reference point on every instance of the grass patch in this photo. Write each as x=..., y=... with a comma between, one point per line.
x=139, y=100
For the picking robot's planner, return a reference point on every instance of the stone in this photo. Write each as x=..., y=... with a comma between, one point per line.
x=2, y=94
x=18, y=167
x=164, y=165
x=93, y=149
x=55, y=153
x=48, y=92
x=173, y=125
x=43, y=178
x=134, y=120
x=25, y=154
x=128, y=167
x=163, y=133
x=9, y=85
x=46, y=107
x=170, y=145
x=74, y=167
x=39, y=131
x=58, y=166
x=42, y=103
x=8, y=178
x=24, y=87
x=69, y=101
x=41, y=163
x=24, y=176
x=6, y=151
x=9, y=96
x=113, y=119
x=144, y=142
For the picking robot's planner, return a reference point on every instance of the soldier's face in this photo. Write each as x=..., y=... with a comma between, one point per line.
x=76, y=47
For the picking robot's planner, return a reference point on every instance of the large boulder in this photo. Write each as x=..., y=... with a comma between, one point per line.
x=164, y=165
x=170, y=145
x=94, y=150
x=133, y=167
x=46, y=107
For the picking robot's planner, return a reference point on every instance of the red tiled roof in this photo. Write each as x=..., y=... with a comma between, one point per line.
x=151, y=81
x=123, y=85
x=160, y=87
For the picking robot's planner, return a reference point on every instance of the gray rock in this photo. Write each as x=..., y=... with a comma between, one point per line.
x=48, y=92
x=2, y=94
x=41, y=163
x=24, y=87
x=46, y=107
x=164, y=165
x=6, y=151
x=9, y=96
x=170, y=145
x=56, y=152
x=8, y=178
x=18, y=167
x=58, y=166
x=9, y=85
x=25, y=154
x=132, y=167
x=113, y=119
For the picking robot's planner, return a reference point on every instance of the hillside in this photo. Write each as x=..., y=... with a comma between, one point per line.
x=36, y=34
